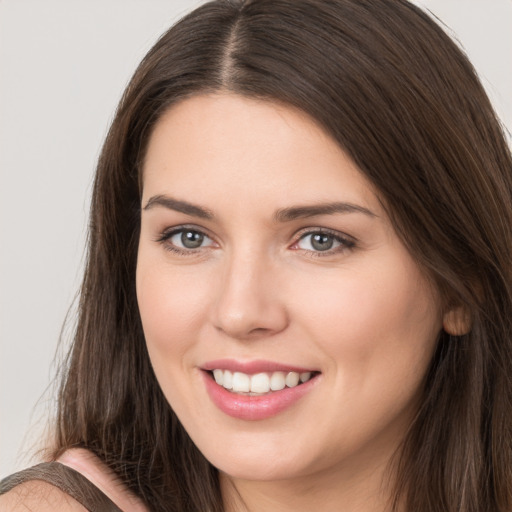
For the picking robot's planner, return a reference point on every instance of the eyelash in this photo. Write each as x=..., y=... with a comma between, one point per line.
x=345, y=243
x=167, y=234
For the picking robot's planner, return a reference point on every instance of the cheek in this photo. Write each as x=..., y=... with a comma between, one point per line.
x=172, y=306
x=377, y=329
x=375, y=323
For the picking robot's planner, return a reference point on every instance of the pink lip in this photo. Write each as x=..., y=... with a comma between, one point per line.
x=253, y=408
x=252, y=367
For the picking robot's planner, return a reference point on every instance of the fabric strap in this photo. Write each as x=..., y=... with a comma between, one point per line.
x=67, y=480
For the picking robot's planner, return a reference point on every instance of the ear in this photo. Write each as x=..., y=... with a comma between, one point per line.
x=457, y=321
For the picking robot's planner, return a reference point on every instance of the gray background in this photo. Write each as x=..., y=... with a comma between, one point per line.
x=63, y=66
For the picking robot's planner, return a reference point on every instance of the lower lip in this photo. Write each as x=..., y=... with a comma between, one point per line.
x=253, y=408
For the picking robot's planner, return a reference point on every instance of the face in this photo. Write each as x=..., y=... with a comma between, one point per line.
x=284, y=319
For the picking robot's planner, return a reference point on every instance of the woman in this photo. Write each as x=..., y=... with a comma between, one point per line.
x=298, y=289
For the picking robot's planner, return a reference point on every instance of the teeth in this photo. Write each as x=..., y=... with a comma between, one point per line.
x=277, y=381
x=227, y=380
x=292, y=379
x=304, y=377
x=241, y=382
x=260, y=383
x=218, y=375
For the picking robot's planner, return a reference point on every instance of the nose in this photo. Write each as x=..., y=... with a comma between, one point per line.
x=249, y=304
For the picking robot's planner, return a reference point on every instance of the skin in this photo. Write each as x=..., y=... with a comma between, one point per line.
x=44, y=497
x=363, y=313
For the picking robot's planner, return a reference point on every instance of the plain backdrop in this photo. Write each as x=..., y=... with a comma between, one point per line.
x=63, y=67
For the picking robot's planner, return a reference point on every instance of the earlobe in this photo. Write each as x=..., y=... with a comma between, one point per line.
x=457, y=321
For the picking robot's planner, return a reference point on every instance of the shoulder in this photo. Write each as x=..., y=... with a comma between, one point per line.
x=97, y=472
x=74, y=481
x=38, y=496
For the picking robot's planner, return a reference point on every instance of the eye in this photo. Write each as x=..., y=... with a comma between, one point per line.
x=323, y=242
x=188, y=239
x=185, y=239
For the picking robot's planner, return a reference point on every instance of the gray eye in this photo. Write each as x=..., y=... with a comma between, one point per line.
x=322, y=242
x=190, y=239
x=318, y=242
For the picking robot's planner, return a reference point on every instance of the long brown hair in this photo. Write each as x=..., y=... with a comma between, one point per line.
x=404, y=102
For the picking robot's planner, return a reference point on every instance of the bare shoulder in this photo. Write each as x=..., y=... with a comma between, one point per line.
x=38, y=496
x=90, y=466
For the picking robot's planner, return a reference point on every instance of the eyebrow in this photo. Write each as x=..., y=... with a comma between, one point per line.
x=179, y=206
x=301, y=212
x=282, y=215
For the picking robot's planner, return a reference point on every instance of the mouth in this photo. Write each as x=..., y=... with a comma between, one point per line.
x=259, y=384
x=257, y=389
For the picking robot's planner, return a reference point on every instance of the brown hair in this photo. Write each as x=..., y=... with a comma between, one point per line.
x=404, y=102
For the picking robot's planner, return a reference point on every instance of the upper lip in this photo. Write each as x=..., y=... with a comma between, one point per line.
x=253, y=367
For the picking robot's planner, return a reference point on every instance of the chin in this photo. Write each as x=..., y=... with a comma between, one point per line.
x=254, y=461
x=259, y=469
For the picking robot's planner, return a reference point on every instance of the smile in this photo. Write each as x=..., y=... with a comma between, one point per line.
x=260, y=383
x=256, y=390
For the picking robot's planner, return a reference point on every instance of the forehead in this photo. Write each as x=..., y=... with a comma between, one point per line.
x=212, y=145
